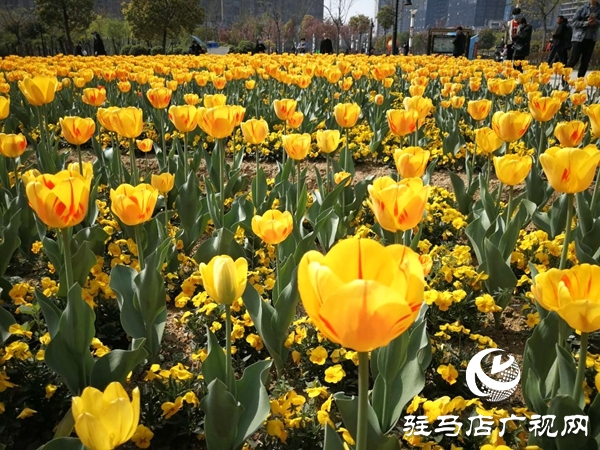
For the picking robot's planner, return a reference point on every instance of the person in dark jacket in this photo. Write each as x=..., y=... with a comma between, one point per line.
x=98, y=45
x=522, y=42
x=586, y=31
x=459, y=43
x=78, y=49
x=558, y=51
x=260, y=46
x=326, y=45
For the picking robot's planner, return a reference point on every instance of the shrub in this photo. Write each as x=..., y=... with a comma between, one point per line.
x=158, y=50
x=126, y=49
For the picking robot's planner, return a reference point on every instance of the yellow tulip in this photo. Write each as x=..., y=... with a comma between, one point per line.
x=512, y=169
x=163, y=183
x=479, y=109
x=544, y=108
x=296, y=120
x=237, y=113
x=250, y=84
x=378, y=100
x=487, y=140
x=570, y=134
x=77, y=130
x=346, y=114
x=94, y=96
x=274, y=226
x=420, y=104
x=185, y=117
x=285, y=108
x=296, y=146
x=159, y=98
x=88, y=169
x=411, y=162
x=593, y=113
x=570, y=170
x=457, y=102
x=127, y=122
x=210, y=101
x=30, y=176
x=573, y=293
x=416, y=90
x=4, y=107
x=133, y=205
x=144, y=145
x=593, y=79
x=255, y=131
x=105, y=116
x=402, y=122
x=578, y=98
x=105, y=420
x=510, y=126
x=342, y=177
x=217, y=122
x=39, y=90
x=398, y=206
x=361, y=295
x=12, y=145
x=328, y=140
x=59, y=200
x=191, y=99
x=124, y=86
x=562, y=96
x=224, y=279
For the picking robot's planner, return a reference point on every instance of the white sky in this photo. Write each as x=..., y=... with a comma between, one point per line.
x=366, y=7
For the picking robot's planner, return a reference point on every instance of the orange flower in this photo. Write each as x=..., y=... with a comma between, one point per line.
x=94, y=96
x=77, y=130
x=144, y=145
x=402, y=122
x=159, y=98
x=285, y=108
x=185, y=117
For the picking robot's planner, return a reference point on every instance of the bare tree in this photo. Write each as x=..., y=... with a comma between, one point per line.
x=14, y=20
x=274, y=11
x=337, y=11
x=542, y=10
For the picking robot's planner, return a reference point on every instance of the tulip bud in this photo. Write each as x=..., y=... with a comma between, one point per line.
x=224, y=279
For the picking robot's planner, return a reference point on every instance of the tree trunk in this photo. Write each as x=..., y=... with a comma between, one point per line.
x=545, y=33
x=69, y=43
x=164, y=41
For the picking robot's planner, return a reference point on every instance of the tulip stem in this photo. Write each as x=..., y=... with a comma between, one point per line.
x=578, y=388
x=363, y=400
x=407, y=236
x=256, y=149
x=138, y=241
x=510, y=204
x=565, y=250
x=80, y=160
x=540, y=145
x=276, y=271
x=185, y=154
x=347, y=155
x=298, y=187
x=132, y=163
x=595, y=194
x=66, y=242
x=282, y=149
x=162, y=139
x=398, y=235
x=228, y=367
x=221, y=150
x=327, y=173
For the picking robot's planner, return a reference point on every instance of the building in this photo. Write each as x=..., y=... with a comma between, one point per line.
x=231, y=11
x=569, y=8
x=475, y=13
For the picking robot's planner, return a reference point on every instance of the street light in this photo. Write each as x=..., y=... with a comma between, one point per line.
x=395, y=31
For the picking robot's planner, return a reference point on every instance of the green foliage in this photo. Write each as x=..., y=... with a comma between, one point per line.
x=487, y=39
x=386, y=16
x=70, y=16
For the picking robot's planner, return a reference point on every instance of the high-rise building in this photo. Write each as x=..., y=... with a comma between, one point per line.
x=231, y=11
x=475, y=13
x=570, y=7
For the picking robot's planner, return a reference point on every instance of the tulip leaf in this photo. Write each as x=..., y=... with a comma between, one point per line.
x=51, y=312
x=63, y=443
x=259, y=191
x=96, y=237
x=566, y=371
x=116, y=365
x=6, y=320
x=376, y=440
x=222, y=414
x=190, y=211
x=253, y=397
x=241, y=213
x=214, y=366
x=333, y=441
x=9, y=239
x=221, y=243
x=501, y=276
x=83, y=260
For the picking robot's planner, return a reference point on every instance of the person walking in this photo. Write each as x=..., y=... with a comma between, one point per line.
x=326, y=45
x=522, y=41
x=512, y=27
x=585, y=34
x=459, y=43
x=560, y=41
x=301, y=48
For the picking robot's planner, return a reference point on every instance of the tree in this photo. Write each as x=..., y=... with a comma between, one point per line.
x=160, y=19
x=338, y=11
x=487, y=39
x=14, y=21
x=539, y=9
x=386, y=17
x=360, y=25
x=70, y=16
x=311, y=26
x=115, y=30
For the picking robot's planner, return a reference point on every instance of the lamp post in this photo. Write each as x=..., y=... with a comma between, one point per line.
x=411, y=30
x=395, y=30
x=370, y=38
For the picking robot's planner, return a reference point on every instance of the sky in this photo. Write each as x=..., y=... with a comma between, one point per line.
x=366, y=7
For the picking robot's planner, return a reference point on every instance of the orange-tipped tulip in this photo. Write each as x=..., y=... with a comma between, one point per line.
x=217, y=122
x=328, y=140
x=255, y=131
x=570, y=170
x=163, y=183
x=4, y=107
x=402, y=122
x=94, y=96
x=422, y=105
x=144, y=145
x=296, y=146
x=159, y=98
x=296, y=120
x=237, y=112
x=127, y=122
x=544, y=108
x=487, y=140
x=346, y=114
x=191, y=99
x=285, y=108
x=573, y=293
x=511, y=126
x=210, y=101
x=224, y=279
x=133, y=205
x=274, y=226
x=59, y=200
x=185, y=117
x=105, y=116
x=512, y=169
x=593, y=113
x=362, y=295
x=479, y=109
x=411, y=162
x=398, y=206
x=12, y=145
x=39, y=90
x=77, y=130
x=570, y=134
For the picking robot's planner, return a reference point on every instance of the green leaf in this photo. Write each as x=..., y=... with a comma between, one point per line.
x=9, y=240
x=63, y=443
x=222, y=415
x=189, y=210
x=464, y=200
x=222, y=243
x=6, y=320
x=123, y=284
x=501, y=275
x=51, y=312
x=116, y=365
x=333, y=441
x=83, y=260
x=214, y=366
